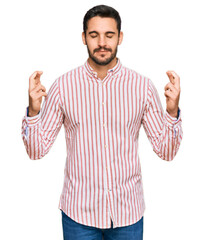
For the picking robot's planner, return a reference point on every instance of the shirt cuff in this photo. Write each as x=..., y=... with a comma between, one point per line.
x=173, y=121
x=32, y=120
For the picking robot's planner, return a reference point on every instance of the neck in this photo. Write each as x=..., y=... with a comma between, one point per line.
x=100, y=69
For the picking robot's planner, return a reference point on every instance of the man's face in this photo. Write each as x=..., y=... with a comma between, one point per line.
x=102, y=39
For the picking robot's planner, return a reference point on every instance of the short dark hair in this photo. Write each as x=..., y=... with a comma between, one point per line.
x=102, y=11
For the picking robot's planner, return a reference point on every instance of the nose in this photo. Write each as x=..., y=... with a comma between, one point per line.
x=101, y=41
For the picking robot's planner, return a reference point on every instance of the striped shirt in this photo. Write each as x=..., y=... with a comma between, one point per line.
x=102, y=119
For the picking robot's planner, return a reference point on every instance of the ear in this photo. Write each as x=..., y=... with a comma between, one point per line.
x=84, y=38
x=120, y=38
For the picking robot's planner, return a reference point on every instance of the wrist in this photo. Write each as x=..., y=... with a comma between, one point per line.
x=31, y=113
x=173, y=114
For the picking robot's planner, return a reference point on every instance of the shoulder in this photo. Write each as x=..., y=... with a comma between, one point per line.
x=73, y=73
x=134, y=75
x=66, y=80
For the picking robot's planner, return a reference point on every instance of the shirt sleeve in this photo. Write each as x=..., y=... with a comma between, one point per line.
x=163, y=131
x=39, y=132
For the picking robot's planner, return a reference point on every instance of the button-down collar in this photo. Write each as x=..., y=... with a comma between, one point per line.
x=113, y=70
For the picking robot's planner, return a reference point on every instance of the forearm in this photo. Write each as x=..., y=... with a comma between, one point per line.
x=39, y=132
x=37, y=138
x=163, y=130
x=168, y=139
x=32, y=137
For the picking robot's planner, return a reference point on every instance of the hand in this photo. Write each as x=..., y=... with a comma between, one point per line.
x=36, y=92
x=172, y=93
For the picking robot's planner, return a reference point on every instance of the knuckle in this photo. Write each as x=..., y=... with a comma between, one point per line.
x=32, y=94
x=39, y=86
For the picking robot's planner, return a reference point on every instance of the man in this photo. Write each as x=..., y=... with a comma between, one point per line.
x=102, y=105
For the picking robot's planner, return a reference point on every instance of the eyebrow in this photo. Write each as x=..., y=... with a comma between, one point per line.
x=109, y=32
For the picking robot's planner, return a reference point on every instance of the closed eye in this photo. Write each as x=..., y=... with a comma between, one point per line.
x=110, y=34
x=93, y=35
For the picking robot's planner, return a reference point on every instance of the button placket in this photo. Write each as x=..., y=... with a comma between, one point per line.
x=104, y=129
x=104, y=112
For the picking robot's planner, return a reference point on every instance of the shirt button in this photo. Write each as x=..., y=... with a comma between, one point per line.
x=106, y=146
x=104, y=124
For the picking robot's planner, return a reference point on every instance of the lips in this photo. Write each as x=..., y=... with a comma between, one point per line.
x=102, y=50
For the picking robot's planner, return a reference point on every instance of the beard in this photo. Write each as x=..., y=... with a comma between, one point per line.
x=106, y=61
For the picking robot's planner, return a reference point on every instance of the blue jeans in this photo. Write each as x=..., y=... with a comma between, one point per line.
x=76, y=231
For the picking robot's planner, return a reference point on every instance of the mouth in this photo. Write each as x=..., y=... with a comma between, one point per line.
x=102, y=50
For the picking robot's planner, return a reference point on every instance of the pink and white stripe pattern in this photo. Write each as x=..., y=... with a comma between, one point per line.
x=102, y=119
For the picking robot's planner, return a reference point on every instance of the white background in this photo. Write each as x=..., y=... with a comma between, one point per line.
x=159, y=35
